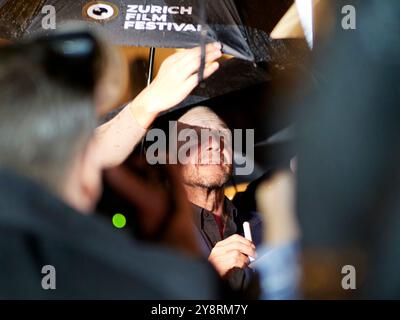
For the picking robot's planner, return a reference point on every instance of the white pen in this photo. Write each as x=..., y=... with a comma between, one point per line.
x=247, y=234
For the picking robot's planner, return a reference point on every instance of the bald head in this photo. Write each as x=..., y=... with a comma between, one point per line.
x=203, y=117
x=212, y=166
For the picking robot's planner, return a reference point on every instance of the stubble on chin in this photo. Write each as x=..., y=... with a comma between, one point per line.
x=194, y=177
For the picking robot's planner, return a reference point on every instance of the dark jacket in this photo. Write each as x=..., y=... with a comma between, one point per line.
x=210, y=236
x=92, y=259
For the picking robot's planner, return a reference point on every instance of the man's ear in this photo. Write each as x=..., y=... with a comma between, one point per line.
x=90, y=176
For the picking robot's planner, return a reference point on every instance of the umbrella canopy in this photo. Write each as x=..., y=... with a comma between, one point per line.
x=175, y=24
x=146, y=23
x=155, y=23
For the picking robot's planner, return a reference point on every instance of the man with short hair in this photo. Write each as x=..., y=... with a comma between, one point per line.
x=205, y=176
x=50, y=169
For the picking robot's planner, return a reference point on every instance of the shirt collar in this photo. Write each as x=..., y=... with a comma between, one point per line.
x=230, y=210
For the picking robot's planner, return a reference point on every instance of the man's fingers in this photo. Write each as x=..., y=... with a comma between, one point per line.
x=224, y=261
x=192, y=53
x=190, y=63
x=193, y=66
x=238, y=260
x=239, y=246
x=193, y=81
x=196, y=52
x=177, y=79
x=236, y=238
x=210, y=69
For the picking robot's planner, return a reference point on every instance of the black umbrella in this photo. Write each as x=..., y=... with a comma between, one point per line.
x=165, y=23
x=154, y=23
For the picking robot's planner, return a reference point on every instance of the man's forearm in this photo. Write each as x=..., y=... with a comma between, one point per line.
x=116, y=139
x=176, y=79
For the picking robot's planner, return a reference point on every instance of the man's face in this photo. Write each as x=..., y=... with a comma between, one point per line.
x=211, y=165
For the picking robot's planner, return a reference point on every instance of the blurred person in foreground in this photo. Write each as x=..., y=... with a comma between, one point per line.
x=279, y=257
x=51, y=161
x=348, y=172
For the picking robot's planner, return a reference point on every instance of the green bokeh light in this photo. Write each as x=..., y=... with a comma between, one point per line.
x=119, y=220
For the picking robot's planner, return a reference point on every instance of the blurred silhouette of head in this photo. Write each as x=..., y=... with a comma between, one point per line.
x=47, y=116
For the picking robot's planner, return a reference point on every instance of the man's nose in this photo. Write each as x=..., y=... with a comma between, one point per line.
x=213, y=145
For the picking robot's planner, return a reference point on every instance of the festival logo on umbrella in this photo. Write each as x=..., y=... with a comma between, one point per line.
x=100, y=11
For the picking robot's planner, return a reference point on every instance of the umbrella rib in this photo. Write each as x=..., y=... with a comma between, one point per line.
x=21, y=12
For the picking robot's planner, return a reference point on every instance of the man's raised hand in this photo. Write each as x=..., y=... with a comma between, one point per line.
x=176, y=79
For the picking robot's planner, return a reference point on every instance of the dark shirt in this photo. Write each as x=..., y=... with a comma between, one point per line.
x=208, y=226
x=210, y=235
